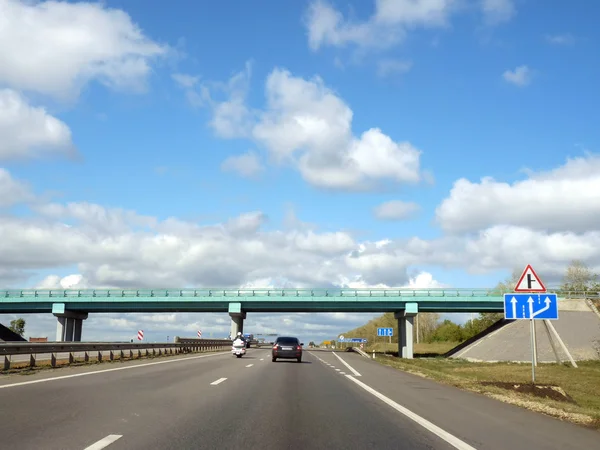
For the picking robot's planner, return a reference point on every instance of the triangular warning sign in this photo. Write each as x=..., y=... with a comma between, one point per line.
x=529, y=281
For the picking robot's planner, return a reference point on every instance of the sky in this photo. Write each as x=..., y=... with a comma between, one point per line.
x=366, y=143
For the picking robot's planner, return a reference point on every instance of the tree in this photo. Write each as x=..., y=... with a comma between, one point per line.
x=427, y=323
x=311, y=344
x=579, y=277
x=18, y=326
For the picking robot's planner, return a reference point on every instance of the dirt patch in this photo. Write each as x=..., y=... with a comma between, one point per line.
x=544, y=391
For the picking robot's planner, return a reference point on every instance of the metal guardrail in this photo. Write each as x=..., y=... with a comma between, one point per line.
x=204, y=293
x=209, y=293
x=9, y=349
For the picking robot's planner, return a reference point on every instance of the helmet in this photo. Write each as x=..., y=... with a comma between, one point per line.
x=239, y=333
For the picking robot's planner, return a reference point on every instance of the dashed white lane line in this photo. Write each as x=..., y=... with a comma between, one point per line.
x=104, y=442
x=442, y=434
x=249, y=365
x=342, y=373
x=219, y=381
x=348, y=366
x=84, y=374
x=338, y=370
x=262, y=359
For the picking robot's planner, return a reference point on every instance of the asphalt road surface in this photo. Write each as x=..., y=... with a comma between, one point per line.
x=329, y=401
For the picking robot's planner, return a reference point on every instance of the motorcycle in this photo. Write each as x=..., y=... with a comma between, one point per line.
x=238, y=348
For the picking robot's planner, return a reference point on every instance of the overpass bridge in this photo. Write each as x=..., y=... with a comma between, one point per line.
x=72, y=306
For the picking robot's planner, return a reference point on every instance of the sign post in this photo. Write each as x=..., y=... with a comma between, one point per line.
x=531, y=302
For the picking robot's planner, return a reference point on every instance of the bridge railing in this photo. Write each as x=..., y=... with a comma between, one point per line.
x=72, y=351
x=90, y=294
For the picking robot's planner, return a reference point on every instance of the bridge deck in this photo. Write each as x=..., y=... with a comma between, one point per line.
x=251, y=300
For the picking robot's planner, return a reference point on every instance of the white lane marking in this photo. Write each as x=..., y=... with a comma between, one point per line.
x=342, y=373
x=338, y=369
x=104, y=442
x=449, y=438
x=219, y=381
x=347, y=365
x=262, y=359
x=63, y=377
x=249, y=365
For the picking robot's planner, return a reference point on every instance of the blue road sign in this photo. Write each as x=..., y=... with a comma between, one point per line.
x=531, y=306
x=385, y=331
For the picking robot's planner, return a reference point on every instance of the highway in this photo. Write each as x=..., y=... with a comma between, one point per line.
x=208, y=401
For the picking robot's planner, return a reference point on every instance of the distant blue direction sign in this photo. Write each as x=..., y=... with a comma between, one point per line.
x=531, y=306
x=385, y=331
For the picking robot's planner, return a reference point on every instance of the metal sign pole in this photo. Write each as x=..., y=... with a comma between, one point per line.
x=531, y=329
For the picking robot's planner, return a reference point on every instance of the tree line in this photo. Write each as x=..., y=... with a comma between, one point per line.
x=427, y=328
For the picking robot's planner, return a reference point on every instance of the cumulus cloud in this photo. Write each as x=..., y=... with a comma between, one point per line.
x=565, y=199
x=387, y=26
x=30, y=132
x=395, y=210
x=307, y=125
x=13, y=191
x=54, y=48
x=520, y=77
x=247, y=165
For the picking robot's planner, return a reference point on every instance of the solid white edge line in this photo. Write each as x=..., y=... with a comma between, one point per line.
x=219, y=381
x=104, y=442
x=63, y=377
x=442, y=434
x=348, y=366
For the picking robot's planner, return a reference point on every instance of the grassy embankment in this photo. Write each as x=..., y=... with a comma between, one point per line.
x=561, y=391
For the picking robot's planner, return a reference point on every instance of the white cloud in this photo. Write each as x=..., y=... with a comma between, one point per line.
x=386, y=27
x=521, y=76
x=498, y=11
x=389, y=67
x=30, y=132
x=246, y=165
x=566, y=198
x=560, y=39
x=185, y=81
x=12, y=191
x=307, y=125
x=395, y=210
x=54, y=48
x=231, y=117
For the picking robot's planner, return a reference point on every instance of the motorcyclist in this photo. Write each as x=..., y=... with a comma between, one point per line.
x=238, y=338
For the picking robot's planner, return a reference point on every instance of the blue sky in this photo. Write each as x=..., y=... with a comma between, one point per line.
x=139, y=127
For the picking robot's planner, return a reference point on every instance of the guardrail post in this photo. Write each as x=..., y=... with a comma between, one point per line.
x=121, y=355
x=86, y=356
x=53, y=360
x=130, y=354
x=6, y=363
x=99, y=356
x=71, y=357
x=139, y=353
x=32, y=360
x=111, y=355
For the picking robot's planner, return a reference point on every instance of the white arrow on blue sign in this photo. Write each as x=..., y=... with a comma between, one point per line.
x=385, y=331
x=531, y=306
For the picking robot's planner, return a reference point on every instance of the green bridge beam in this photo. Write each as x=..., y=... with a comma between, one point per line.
x=252, y=300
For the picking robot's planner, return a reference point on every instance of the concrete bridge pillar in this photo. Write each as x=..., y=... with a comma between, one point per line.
x=237, y=318
x=405, y=330
x=70, y=323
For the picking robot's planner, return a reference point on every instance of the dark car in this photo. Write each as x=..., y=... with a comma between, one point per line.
x=287, y=348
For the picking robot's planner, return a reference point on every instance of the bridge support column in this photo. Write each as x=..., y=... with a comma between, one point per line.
x=405, y=330
x=237, y=318
x=70, y=323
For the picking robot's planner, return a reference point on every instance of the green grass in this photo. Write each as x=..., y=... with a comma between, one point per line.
x=420, y=349
x=582, y=383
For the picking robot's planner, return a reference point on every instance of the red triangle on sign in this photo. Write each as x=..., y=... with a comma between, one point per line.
x=529, y=281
